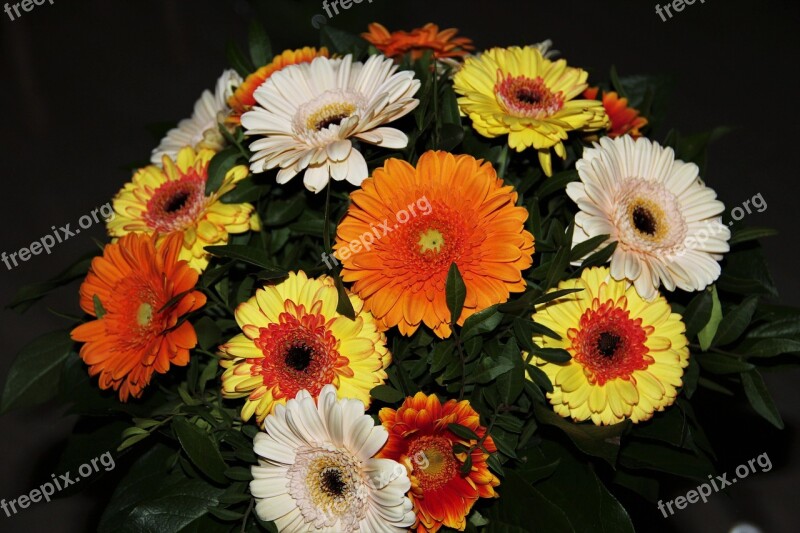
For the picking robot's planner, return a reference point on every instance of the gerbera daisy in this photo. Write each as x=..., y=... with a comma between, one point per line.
x=517, y=92
x=242, y=100
x=625, y=120
x=295, y=340
x=473, y=221
x=665, y=220
x=317, y=470
x=309, y=115
x=172, y=199
x=142, y=291
x=419, y=438
x=444, y=43
x=628, y=355
x=202, y=129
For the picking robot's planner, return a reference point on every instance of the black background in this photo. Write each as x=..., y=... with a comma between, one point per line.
x=81, y=80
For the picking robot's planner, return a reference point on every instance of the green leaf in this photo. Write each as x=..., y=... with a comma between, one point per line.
x=773, y=347
x=481, y=322
x=600, y=257
x=759, y=398
x=750, y=234
x=387, y=394
x=282, y=212
x=27, y=295
x=556, y=271
x=490, y=369
x=342, y=42
x=505, y=515
x=589, y=245
x=557, y=183
x=201, y=448
x=553, y=355
x=455, y=293
x=512, y=383
x=643, y=455
x=597, y=441
x=99, y=311
x=35, y=374
x=260, y=47
x=736, y=322
x=698, y=313
x=344, y=306
x=173, y=507
x=218, y=168
x=248, y=254
x=551, y=295
x=722, y=364
x=706, y=335
x=208, y=333
x=463, y=432
x=237, y=60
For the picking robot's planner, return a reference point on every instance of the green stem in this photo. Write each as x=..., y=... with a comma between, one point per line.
x=326, y=237
x=503, y=163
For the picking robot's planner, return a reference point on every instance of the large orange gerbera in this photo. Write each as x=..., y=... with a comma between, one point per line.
x=396, y=44
x=624, y=119
x=449, y=209
x=419, y=438
x=242, y=99
x=139, y=292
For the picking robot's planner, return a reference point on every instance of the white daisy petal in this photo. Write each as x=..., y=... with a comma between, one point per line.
x=664, y=219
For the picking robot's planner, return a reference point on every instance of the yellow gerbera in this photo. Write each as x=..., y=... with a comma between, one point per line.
x=628, y=354
x=518, y=92
x=293, y=339
x=173, y=200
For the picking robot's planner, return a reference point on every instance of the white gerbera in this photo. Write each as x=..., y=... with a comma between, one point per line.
x=308, y=113
x=665, y=220
x=316, y=470
x=202, y=129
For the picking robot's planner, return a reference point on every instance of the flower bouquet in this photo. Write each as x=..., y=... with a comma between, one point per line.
x=395, y=283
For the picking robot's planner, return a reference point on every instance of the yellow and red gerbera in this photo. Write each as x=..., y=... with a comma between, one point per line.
x=173, y=199
x=242, y=99
x=420, y=440
x=444, y=43
x=625, y=120
x=142, y=292
x=293, y=339
x=520, y=93
x=628, y=354
x=471, y=219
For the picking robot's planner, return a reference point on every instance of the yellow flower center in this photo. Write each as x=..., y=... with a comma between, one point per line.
x=431, y=240
x=144, y=314
x=433, y=462
x=329, y=115
x=648, y=219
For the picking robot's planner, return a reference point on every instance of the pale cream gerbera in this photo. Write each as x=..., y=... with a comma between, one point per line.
x=309, y=115
x=317, y=470
x=665, y=220
x=202, y=129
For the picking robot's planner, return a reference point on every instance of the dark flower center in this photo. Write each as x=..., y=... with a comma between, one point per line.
x=332, y=482
x=298, y=357
x=330, y=121
x=644, y=221
x=607, y=344
x=528, y=97
x=177, y=202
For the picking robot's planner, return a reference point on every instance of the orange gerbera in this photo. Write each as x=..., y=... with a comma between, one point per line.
x=624, y=119
x=396, y=44
x=139, y=292
x=242, y=99
x=419, y=438
x=414, y=223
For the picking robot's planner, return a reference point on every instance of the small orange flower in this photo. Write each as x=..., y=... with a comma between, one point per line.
x=420, y=440
x=624, y=119
x=396, y=44
x=449, y=209
x=144, y=291
x=242, y=100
